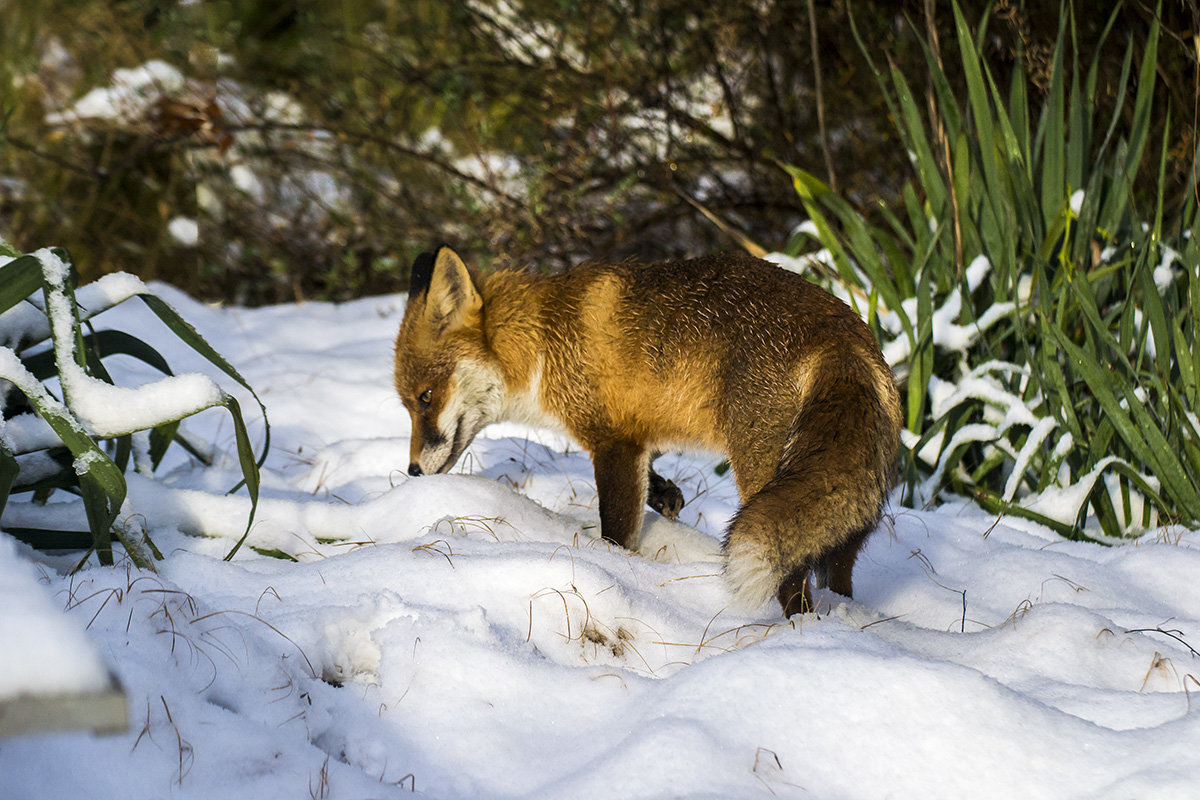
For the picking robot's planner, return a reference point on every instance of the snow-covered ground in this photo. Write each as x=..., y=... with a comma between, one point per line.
x=467, y=636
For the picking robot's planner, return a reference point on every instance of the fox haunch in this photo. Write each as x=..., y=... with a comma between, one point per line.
x=726, y=353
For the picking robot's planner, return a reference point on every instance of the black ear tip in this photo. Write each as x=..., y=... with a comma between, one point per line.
x=422, y=272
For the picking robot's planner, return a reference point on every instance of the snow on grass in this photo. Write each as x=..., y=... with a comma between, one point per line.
x=468, y=636
x=110, y=410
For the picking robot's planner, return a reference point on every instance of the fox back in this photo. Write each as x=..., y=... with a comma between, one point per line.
x=727, y=352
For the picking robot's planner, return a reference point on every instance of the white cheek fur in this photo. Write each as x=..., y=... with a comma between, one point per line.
x=474, y=404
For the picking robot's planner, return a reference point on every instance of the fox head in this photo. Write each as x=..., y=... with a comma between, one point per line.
x=444, y=373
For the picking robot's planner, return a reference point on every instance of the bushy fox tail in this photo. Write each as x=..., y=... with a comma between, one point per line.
x=826, y=495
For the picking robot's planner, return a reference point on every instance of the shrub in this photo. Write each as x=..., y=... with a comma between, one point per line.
x=1042, y=321
x=82, y=442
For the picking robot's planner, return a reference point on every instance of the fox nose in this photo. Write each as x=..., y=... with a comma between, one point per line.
x=414, y=469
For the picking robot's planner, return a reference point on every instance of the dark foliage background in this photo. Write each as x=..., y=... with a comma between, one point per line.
x=318, y=146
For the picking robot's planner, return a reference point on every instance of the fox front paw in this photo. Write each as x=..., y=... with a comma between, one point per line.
x=664, y=496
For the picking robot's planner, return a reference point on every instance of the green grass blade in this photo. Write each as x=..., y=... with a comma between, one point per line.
x=139, y=548
x=1079, y=116
x=918, y=143
x=1156, y=317
x=190, y=336
x=811, y=191
x=249, y=467
x=981, y=109
x=96, y=462
x=1192, y=267
x=91, y=460
x=1140, y=127
x=101, y=509
x=8, y=474
x=1135, y=427
x=1053, y=163
x=996, y=504
x=160, y=439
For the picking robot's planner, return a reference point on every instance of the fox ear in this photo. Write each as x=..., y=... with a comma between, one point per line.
x=452, y=301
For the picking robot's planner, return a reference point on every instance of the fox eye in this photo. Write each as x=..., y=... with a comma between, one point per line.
x=426, y=398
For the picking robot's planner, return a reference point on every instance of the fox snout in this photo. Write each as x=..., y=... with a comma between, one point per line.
x=444, y=428
x=437, y=442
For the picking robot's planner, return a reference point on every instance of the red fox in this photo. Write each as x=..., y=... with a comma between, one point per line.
x=727, y=353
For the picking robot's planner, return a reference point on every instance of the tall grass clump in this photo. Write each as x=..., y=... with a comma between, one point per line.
x=1039, y=310
x=67, y=427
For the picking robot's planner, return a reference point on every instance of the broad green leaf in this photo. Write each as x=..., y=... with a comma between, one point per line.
x=46, y=539
x=18, y=280
x=104, y=343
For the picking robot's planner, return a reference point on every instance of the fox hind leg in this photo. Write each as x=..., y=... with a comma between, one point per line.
x=833, y=571
x=794, y=596
x=814, y=513
x=836, y=568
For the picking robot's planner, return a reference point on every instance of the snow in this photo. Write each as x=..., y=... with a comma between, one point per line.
x=1041, y=429
x=1164, y=274
x=947, y=334
x=184, y=230
x=27, y=322
x=127, y=98
x=244, y=179
x=44, y=651
x=466, y=635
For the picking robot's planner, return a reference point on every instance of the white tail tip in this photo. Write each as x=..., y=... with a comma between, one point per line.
x=752, y=579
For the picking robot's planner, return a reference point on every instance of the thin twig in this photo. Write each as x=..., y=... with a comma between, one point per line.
x=939, y=132
x=1174, y=634
x=818, y=88
x=749, y=245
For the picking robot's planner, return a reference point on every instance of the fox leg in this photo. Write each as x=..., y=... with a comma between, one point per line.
x=794, y=596
x=665, y=497
x=621, y=480
x=835, y=571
